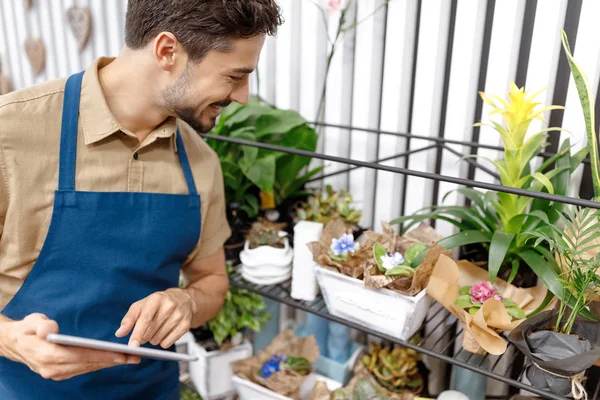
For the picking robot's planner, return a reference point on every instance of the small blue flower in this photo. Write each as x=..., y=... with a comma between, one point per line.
x=343, y=245
x=272, y=366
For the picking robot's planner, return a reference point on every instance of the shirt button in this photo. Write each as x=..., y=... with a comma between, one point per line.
x=135, y=156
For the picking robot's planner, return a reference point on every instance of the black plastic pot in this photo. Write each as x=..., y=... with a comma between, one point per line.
x=556, y=359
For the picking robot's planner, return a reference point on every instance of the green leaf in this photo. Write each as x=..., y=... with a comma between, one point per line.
x=278, y=122
x=514, y=270
x=289, y=166
x=413, y=251
x=245, y=133
x=464, y=238
x=549, y=278
x=464, y=301
x=497, y=253
x=544, y=181
x=260, y=171
x=516, y=312
x=587, y=104
x=465, y=290
x=509, y=303
x=248, y=114
x=400, y=271
x=378, y=252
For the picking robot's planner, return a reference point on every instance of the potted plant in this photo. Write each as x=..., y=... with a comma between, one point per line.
x=501, y=223
x=281, y=371
x=267, y=255
x=354, y=286
x=255, y=178
x=561, y=344
x=221, y=341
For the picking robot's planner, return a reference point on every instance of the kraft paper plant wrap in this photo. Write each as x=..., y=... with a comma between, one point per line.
x=480, y=334
x=285, y=382
x=390, y=240
x=557, y=360
x=354, y=265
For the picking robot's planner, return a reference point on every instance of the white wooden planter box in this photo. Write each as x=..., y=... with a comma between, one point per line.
x=251, y=391
x=212, y=374
x=382, y=310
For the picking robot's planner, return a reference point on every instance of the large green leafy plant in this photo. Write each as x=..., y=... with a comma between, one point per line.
x=503, y=223
x=242, y=309
x=250, y=172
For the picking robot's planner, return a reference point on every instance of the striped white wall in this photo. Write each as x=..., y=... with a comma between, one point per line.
x=370, y=82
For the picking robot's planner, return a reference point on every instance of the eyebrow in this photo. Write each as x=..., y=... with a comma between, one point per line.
x=243, y=70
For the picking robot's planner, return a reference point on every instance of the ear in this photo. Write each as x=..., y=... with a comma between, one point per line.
x=168, y=52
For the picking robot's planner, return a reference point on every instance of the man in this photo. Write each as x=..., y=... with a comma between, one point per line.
x=106, y=192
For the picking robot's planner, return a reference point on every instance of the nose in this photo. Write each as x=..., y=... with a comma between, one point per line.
x=241, y=92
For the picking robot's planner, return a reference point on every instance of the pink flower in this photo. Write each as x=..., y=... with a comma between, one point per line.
x=335, y=5
x=498, y=297
x=483, y=291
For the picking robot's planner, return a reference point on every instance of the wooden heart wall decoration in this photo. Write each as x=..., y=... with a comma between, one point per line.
x=80, y=21
x=36, y=54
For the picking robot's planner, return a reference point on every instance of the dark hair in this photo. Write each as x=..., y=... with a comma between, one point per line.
x=200, y=25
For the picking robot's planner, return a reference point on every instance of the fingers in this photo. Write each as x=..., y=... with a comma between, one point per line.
x=175, y=320
x=128, y=321
x=46, y=327
x=149, y=308
x=174, y=335
x=162, y=316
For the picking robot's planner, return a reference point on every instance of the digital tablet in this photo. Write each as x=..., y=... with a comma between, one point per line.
x=118, y=348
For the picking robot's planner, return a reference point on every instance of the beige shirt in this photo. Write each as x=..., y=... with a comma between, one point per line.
x=109, y=159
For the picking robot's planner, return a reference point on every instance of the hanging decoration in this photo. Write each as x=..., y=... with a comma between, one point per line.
x=80, y=21
x=35, y=49
x=5, y=83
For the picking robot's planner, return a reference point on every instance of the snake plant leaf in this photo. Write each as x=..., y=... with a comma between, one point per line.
x=587, y=104
x=499, y=247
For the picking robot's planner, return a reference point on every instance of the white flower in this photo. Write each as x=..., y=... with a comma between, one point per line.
x=390, y=261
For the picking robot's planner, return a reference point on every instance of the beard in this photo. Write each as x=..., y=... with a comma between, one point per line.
x=175, y=99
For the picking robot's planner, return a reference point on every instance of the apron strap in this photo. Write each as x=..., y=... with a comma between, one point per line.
x=68, y=133
x=68, y=139
x=185, y=165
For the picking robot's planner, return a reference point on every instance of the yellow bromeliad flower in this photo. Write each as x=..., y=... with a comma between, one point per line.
x=517, y=114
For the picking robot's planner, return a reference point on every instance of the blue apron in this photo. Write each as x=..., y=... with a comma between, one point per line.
x=103, y=252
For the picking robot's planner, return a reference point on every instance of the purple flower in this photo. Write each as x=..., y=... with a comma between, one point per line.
x=343, y=245
x=482, y=292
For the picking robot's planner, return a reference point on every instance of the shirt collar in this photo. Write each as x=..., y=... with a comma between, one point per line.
x=96, y=119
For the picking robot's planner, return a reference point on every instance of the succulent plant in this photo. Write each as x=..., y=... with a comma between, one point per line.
x=364, y=389
x=265, y=233
x=325, y=206
x=395, y=369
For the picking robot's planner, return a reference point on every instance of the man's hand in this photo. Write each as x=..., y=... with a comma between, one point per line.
x=25, y=342
x=161, y=318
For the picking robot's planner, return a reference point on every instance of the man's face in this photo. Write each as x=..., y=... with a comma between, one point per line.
x=205, y=88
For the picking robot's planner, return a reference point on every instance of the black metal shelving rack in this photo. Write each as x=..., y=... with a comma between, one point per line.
x=438, y=349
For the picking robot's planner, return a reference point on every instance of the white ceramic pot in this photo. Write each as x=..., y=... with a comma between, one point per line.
x=251, y=391
x=382, y=310
x=267, y=255
x=212, y=374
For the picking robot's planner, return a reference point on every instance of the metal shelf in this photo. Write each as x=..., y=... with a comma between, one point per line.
x=439, y=348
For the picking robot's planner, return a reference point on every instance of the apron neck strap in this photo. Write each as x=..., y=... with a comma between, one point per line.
x=68, y=139
x=185, y=164
x=68, y=133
